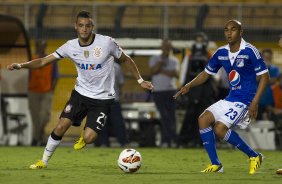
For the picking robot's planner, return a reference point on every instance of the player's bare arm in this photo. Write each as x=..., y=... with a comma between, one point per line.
x=253, y=109
x=131, y=66
x=36, y=63
x=198, y=80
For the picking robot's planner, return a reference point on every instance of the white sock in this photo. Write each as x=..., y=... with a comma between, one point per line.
x=49, y=149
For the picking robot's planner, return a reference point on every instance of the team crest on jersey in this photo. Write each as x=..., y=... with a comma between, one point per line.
x=239, y=63
x=68, y=108
x=234, y=78
x=97, y=51
x=86, y=53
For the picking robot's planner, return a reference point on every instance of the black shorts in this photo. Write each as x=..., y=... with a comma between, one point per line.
x=79, y=106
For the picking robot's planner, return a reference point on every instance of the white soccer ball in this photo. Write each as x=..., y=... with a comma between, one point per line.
x=129, y=160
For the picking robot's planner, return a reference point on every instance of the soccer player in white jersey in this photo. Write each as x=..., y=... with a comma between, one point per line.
x=93, y=56
x=242, y=63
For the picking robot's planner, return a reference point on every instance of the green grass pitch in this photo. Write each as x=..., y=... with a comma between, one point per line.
x=159, y=166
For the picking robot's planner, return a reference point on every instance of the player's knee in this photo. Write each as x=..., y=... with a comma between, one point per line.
x=203, y=121
x=220, y=130
x=60, y=129
x=88, y=140
x=89, y=137
x=62, y=126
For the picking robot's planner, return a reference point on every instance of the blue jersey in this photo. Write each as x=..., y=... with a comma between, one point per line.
x=242, y=68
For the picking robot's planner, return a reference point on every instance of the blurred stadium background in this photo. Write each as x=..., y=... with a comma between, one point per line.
x=138, y=25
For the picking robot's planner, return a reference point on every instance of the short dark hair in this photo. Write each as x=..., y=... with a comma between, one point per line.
x=83, y=14
x=267, y=51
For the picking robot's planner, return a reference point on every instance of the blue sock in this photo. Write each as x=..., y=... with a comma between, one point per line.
x=208, y=139
x=233, y=138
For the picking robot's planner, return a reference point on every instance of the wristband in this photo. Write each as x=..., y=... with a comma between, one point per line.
x=140, y=80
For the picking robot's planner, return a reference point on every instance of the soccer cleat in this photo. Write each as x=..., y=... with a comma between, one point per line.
x=255, y=163
x=79, y=144
x=213, y=168
x=38, y=165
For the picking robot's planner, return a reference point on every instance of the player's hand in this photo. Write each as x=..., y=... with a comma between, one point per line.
x=147, y=85
x=14, y=66
x=185, y=89
x=253, y=111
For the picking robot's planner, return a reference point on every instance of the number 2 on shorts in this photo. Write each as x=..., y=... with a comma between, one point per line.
x=102, y=116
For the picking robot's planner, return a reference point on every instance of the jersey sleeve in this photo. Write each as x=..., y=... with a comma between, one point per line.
x=213, y=65
x=257, y=61
x=62, y=51
x=115, y=49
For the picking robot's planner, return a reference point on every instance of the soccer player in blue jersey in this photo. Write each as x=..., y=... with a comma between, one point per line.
x=242, y=63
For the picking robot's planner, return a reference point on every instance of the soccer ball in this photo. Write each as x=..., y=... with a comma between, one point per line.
x=129, y=160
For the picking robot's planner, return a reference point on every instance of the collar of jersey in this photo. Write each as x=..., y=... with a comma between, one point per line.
x=242, y=45
x=94, y=35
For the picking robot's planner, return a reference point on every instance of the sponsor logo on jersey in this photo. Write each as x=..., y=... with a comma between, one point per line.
x=236, y=87
x=239, y=62
x=86, y=53
x=243, y=57
x=89, y=66
x=97, y=51
x=222, y=57
x=234, y=78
